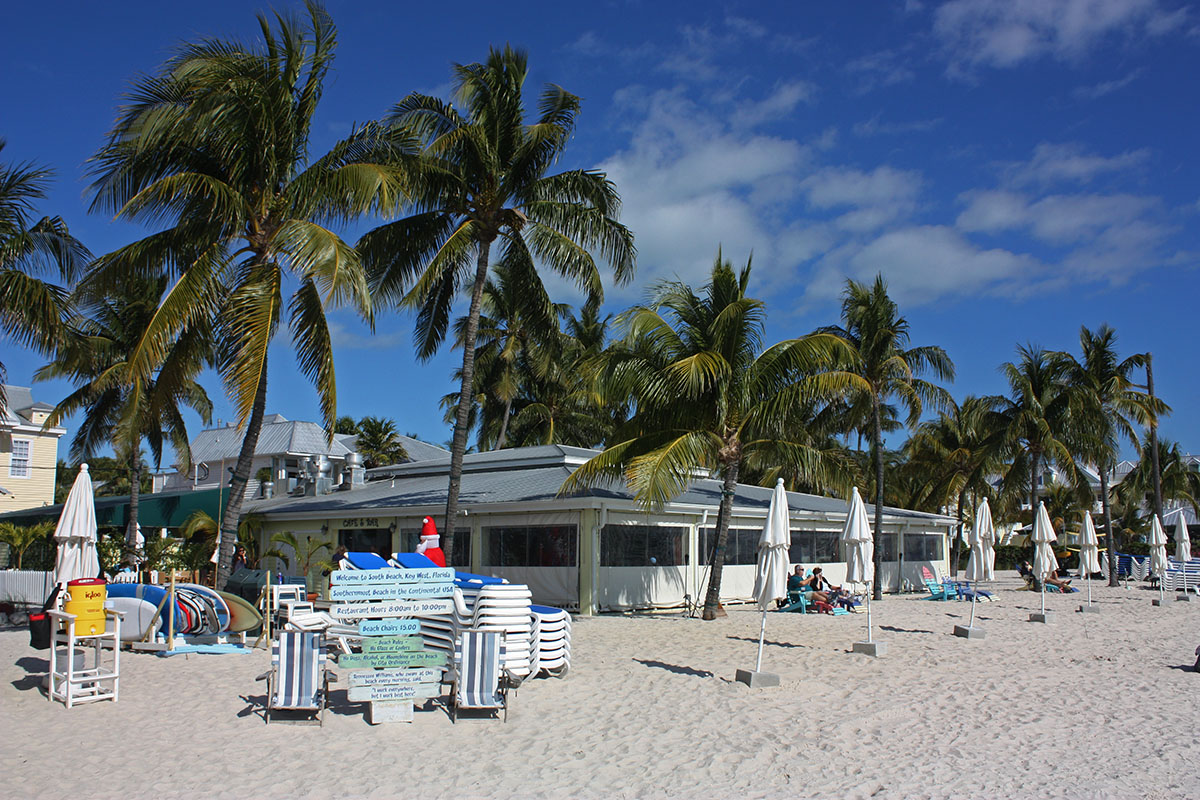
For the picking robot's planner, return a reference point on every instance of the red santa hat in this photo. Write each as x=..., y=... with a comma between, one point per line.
x=429, y=529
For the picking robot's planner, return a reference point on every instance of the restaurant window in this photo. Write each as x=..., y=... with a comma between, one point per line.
x=922, y=547
x=20, y=465
x=814, y=547
x=642, y=546
x=366, y=540
x=411, y=537
x=531, y=546
x=740, y=548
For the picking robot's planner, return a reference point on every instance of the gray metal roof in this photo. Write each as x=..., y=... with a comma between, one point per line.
x=275, y=439
x=20, y=402
x=528, y=475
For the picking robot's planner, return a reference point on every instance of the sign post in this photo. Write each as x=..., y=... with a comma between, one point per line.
x=394, y=668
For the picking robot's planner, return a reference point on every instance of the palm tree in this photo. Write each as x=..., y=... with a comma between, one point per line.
x=20, y=538
x=31, y=310
x=120, y=406
x=1179, y=483
x=1107, y=405
x=200, y=526
x=482, y=180
x=216, y=144
x=345, y=425
x=886, y=367
x=294, y=554
x=707, y=396
x=516, y=338
x=1035, y=420
x=957, y=452
x=379, y=443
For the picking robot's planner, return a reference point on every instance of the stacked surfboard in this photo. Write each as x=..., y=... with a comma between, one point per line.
x=198, y=611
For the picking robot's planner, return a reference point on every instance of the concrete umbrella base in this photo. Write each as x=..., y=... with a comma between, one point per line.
x=757, y=680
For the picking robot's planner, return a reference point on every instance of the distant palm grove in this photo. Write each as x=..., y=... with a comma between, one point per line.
x=466, y=216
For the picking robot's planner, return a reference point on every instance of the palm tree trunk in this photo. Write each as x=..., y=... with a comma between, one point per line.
x=1154, y=439
x=1035, y=463
x=135, y=486
x=958, y=538
x=877, y=441
x=1110, y=545
x=459, y=447
x=712, y=597
x=241, y=476
x=503, y=437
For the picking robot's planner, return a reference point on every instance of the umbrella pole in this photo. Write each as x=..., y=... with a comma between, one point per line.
x=1089, y=582
x=1043, y=595
x=869, y=640
x=971, y=624
x=762, y=632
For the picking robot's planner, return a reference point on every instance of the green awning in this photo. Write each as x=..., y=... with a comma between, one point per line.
x=162, y=510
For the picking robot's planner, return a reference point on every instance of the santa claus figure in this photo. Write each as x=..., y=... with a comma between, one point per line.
x=429, y=545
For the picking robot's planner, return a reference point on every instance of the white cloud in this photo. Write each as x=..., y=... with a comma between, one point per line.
x=1057, y=163
x=780, y=103
x=1004, y=33
x=874, y=127
x=359, y=337
x=875, y=198
x=691, y=182
x=1106, y=87
x=881, y=69
x=927, y=263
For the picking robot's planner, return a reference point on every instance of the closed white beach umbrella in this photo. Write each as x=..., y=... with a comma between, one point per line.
x=860, y=550
x=1183, y=547
x=1044, y=561
x=982, y=562
x=981, y=539
x=1089, y=551
x=1158, y=552
x=76, y=533
x=770, y=574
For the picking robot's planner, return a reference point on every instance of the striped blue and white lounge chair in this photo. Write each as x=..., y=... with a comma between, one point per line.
x=479, y=680
x=299, y=676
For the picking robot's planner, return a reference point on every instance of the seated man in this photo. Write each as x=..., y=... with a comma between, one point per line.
x=796, y=579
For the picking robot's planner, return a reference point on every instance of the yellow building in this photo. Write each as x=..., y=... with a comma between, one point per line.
x=28, y=453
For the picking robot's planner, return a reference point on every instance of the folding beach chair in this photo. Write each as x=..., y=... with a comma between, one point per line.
x=299, y=676
x=479, y=680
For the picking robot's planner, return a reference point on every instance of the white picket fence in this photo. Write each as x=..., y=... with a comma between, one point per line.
x=27, y=586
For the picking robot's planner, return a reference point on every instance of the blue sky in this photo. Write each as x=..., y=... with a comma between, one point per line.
x=1014, y=168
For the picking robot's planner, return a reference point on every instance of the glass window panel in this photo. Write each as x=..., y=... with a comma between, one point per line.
x=666, y=545
x=20, y=463
x=887, y=543
x=532, y=546
x=641, y=545
x=740, y=548
x=366, y=540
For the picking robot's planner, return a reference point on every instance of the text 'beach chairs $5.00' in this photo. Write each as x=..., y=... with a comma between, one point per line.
x=479, y=680
x=299, y=676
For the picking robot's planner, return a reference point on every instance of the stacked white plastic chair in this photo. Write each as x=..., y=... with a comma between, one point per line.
x=500, y=607
x=551, y=641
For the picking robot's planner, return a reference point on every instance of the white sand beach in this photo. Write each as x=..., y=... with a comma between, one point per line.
x=1093, y=706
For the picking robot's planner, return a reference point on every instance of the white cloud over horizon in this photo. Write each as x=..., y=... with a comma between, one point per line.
x=1006, y=33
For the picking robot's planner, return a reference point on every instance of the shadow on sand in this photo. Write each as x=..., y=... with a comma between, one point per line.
x=678, y=670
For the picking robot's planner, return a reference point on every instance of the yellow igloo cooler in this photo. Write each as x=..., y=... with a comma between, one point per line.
x=85, y=599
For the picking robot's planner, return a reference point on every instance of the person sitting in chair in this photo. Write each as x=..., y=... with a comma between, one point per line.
x=811, y=587
x=1053, y=579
